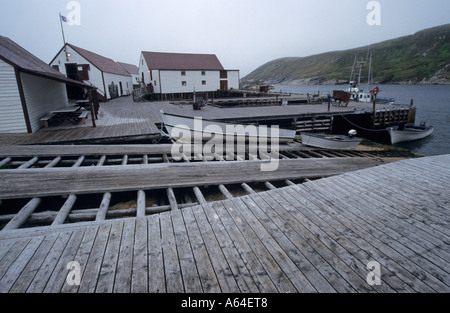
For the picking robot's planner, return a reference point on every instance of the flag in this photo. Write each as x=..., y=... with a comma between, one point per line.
x=64, y=19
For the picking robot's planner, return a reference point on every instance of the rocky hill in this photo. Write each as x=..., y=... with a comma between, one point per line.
x=422, y=58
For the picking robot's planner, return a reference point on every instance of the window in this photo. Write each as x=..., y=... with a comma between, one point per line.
x=56, y=67
x=203, y=82
x=203, y=73
x=183, y=73
x=183, y=83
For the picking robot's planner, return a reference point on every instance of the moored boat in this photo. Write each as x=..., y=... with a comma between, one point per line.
x=327, y=141
x=204, y=130
x=409, y=132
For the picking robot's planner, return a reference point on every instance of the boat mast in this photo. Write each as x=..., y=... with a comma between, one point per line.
x=370, y=78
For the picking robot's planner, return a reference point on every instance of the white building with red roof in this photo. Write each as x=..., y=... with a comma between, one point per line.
x=170, y=73
x=111, y=79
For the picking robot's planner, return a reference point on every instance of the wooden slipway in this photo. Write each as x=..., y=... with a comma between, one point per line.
x=63, y=181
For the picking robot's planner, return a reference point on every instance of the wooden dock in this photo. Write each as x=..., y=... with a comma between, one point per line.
x=315, y=237
x=122, y=120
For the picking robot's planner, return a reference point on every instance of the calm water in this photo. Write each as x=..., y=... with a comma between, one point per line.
x=433, y=107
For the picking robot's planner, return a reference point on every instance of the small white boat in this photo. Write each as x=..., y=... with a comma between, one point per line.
x=409, y=132
x=204, y=130
x=327, y=141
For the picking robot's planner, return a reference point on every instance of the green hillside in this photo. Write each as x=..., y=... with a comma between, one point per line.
x=420, y=58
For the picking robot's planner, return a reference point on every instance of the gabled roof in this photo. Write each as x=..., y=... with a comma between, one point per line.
x=20, y=58
x=182, y=61
x=130, y=68
x=102, y=63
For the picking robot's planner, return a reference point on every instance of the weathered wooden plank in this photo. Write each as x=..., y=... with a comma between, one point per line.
x=172, y=270
x=338, y=234
x=71, y=150
x=13, y=272
x=122, y=283
x=11, y=255
x=270, y=268
x=364, y=230
x=139, y=280
x=304, y=240
x=224, y=256
x=255, y=204
x=188, y=264
x=93, y=265
x=246, y=220
x=28, y=273
x=58, y=277
x=105, y=283
x=211, y=276
x=156, y=277
x=57, y=181
x=49, y=263
x=82, y=257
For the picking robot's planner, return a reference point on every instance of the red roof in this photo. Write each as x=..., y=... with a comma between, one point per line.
x=130, y=68
x=182, y=61
x=102, y=63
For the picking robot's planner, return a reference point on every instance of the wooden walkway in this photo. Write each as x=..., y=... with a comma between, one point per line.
x=314, y=237
x=124, y=120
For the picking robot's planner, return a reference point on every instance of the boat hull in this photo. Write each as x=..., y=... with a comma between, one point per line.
x=409, y=134
x=334, y=142
x=205, y=130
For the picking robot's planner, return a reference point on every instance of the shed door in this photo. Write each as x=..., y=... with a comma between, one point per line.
x=223, y=85
x=83, y=72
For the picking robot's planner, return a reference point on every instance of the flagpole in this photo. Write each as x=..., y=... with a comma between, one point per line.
x=64, y=37
x=62, y=28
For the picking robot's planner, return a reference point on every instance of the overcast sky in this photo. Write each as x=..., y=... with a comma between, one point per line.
x=244, y=34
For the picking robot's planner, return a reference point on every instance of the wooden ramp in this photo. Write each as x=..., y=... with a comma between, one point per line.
x=315, y=237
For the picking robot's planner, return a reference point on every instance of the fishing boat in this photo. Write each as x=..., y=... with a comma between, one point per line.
x=409, y=132
x=327, y=141
x=178, y=126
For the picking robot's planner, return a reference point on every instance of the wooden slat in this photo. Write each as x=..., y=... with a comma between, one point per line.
x=140, y=204
x=104, y=206
x=22, y=216
x=65, y=210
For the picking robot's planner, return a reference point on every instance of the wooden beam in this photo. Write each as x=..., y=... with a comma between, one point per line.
x=225, y=192
x=198, y=193
x=29, y=163
x=5, y=161
x=104, y=206
x=65, y=210
x=140, y=204
x=172, y=199
x=22, y=216
x=83, y=180
x=248, y=188
x=54, y=162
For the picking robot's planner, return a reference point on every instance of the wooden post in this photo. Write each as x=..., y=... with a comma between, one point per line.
x=92, y=109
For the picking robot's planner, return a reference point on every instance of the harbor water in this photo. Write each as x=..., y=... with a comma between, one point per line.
x=433, y=107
